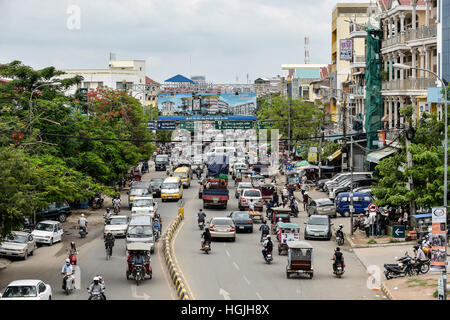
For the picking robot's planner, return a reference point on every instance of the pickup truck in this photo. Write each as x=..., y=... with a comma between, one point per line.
x=215, y=193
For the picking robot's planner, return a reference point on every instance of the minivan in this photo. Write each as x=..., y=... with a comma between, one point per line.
x=140, y=229
x=171, y=188
x=360, y=203
x=185, y=174
x=48, y=232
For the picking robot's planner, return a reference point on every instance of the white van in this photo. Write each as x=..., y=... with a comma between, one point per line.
x=144, y=205
x=140, y=229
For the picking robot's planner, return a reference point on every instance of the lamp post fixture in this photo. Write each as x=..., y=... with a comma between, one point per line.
x=406, y=67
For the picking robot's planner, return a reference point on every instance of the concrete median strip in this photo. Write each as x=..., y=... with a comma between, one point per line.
x=179, y=285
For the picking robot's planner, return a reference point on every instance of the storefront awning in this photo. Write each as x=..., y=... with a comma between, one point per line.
x=335, y=155
x=376, y=156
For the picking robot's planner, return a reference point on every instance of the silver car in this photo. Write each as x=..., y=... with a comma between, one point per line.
x=117, y=225
x=322, y=206
x=222, y=228
x=318, y=227
x=18, y=244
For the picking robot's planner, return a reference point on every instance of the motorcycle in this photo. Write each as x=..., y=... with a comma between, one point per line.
x=294, y=209
x=98, y=203
x=207, y=247
x=359, y=224
x=73, y=258
x=201, y=224
x=82, y=232
x=69, y=284
x=403, y=268
x=116, y=208
x=268, y=258
x=97, y=296
x=339, y=270
x=339, y=237
x=138, y=273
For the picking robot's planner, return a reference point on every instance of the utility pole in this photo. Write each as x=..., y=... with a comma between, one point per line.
x=344, y=122
x=289, y=88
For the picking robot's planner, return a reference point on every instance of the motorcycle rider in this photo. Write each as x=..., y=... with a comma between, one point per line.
x=138, y=259
x=420, y=256
x=338, y=257
x=198, y=172
x=201, y=216
x=96, y=287
x=73, y=252
x=82, y=223
x=156, y=226
x=206, y=235
x=67, y=271
x=107, y=214
x=268, y=247
x=116, y=202
x=109, y=241
x=265, y=229
x=339, y=232
x=294, y=206
x=275, y=198
x=284, y=194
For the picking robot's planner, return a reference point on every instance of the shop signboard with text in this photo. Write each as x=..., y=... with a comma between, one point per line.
x=438, y=239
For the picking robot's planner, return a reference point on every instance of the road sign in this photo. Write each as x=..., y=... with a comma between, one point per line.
x=187, y=125
x=288, y=166
x=151, y=125
x=166, y=125
x=373, y=207
x=398, y=231
x=234, y=124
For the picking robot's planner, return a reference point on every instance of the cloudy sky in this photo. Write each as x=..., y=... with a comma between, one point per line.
x=221, y=39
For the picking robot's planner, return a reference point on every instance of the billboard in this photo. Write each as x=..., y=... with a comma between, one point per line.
x=211, y=106
x=346, y=49
x=438, y=239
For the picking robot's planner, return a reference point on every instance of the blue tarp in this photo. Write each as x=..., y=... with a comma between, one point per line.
x=218, y=164
x=180, y=78
x=423, y=215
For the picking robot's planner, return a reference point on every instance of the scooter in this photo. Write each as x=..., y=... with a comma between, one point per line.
x=116, y=209
x=268, y=258
x=339, y=237
x=201, y=224
x=82, y=232
x=97, y=296
x=401, y=269
x=138, y=273
x=70, y=284
x=339, y=270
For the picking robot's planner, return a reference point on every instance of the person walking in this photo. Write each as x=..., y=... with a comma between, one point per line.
x=378, y=225
x=306, y=198
x=367, y=225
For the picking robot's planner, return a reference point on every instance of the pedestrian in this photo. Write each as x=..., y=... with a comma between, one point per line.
x=306, y=198
x=275, y=198
x=304, y=187
x=405, y=218
x=372, y=219
x=378, y=224
x=367, y=225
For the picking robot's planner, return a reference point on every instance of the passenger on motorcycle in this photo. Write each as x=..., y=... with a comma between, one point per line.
x=420, y=256
x=268, y=247
x=265, y=229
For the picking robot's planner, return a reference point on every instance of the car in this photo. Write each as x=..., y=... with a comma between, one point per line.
x=251, y=195
x=241, y=186
x=117, y=225
x=48, y=231
x=363, y=190
x=222, y=227
x=337, y=179
x=322, y=206
x=57, y=211
x=27, y=290
x=317, y=227
x=242, y=221
x=144, y=205
x=156, y=187
x=345, y=186
x=361, y=202
x=18, y=244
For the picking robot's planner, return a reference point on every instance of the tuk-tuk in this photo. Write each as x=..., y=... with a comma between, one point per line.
x=287, y=232
x=267, y=191
x=246, y=176
x=133, y=249
x=300, y=259
x=292, y=178
x=258, y=181
x=277, y=214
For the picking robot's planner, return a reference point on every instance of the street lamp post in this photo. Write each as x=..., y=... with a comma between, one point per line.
x=406, y=67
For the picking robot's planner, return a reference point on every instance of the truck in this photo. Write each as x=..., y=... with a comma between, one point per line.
x=218, y=164
x=215, y=193
x=161, y=162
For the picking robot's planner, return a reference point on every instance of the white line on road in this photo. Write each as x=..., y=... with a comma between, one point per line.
x=259, y=296
x=246, y=280
x=228, y=254
x=235, y=265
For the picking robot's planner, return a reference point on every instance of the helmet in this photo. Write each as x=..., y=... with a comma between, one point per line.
x=67, y=260
x=268, y=237
x=82, y=215
x=96, y=278
x=338, y=249
x=341, y=225
x=416, y=246
x=107, y=209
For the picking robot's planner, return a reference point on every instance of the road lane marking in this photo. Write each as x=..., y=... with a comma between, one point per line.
x=235, y=265
x=135, y=294
x=226, y=251
x=259, y=296
x=246, y=280
x=225, y=294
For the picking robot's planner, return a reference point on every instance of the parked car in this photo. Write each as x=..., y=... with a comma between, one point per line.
x=337, y=179
x=363, y=190
x=222, y=227
x=241, y=186
x=18, y=244
x=251, y=196
x=322, y=206
x=317, y=227
x=242, y=220
x=361, y=202
x=27, y=290
x=156, y=187
x=117, y=225
x=346, y=186
x=57, y=211
x=48, y=231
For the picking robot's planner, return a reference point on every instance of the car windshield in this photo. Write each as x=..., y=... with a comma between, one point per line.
x=245, y=185
x=169, y=186
x=221, y=222
x=44, y=227
x=115, y=221
x=324, y=203
x=20, y=291
x=252, y=193
x=241, y=215
x=17, y=238
x=318, y=221
x=156, y=183
x=143, y=203
x=138, y=192
x=140, y=231
x=182, y=175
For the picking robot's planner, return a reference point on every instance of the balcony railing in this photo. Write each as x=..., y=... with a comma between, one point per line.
x=356, y=27
x=420, y=33
x=356, y=90
x=409, y=84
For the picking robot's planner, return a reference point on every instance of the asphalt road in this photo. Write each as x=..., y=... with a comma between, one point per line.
x=237, y=270
x=47, y=262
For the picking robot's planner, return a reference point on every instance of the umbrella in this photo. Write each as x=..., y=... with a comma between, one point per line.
x=303, y=163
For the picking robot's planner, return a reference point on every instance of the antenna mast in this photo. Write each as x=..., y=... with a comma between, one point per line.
x=306, y=50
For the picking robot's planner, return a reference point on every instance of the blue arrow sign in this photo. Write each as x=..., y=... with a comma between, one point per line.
x=166, y=125
x=398, y=231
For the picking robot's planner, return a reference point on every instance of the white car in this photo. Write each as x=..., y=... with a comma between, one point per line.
x=18, y=244
x=48, y=231
x=144, y=205
x=241, y=186
x=27, y=290
x=117, y=225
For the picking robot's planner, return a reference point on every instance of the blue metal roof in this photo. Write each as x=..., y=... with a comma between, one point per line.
x=307, y=73
x=179, y=78
x=423, y=215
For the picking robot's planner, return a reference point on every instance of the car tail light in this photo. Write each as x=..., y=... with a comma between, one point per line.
x=232, y=229
x=211, y=228
x=261, y=200
x=243, y=200
x=250, y=222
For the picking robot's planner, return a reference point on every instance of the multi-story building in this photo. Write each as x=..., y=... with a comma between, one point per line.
x=266, y=86
x=152, y=91
x=300, y=76
x=409, y=37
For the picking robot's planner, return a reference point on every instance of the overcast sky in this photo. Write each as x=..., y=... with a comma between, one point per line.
x=223, y=39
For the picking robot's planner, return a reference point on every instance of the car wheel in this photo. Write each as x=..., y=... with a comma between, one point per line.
x=233, y=239
x=51, y=242
x=346, y=213
x=25, y=256
x=49, y=297
x=62, y=217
